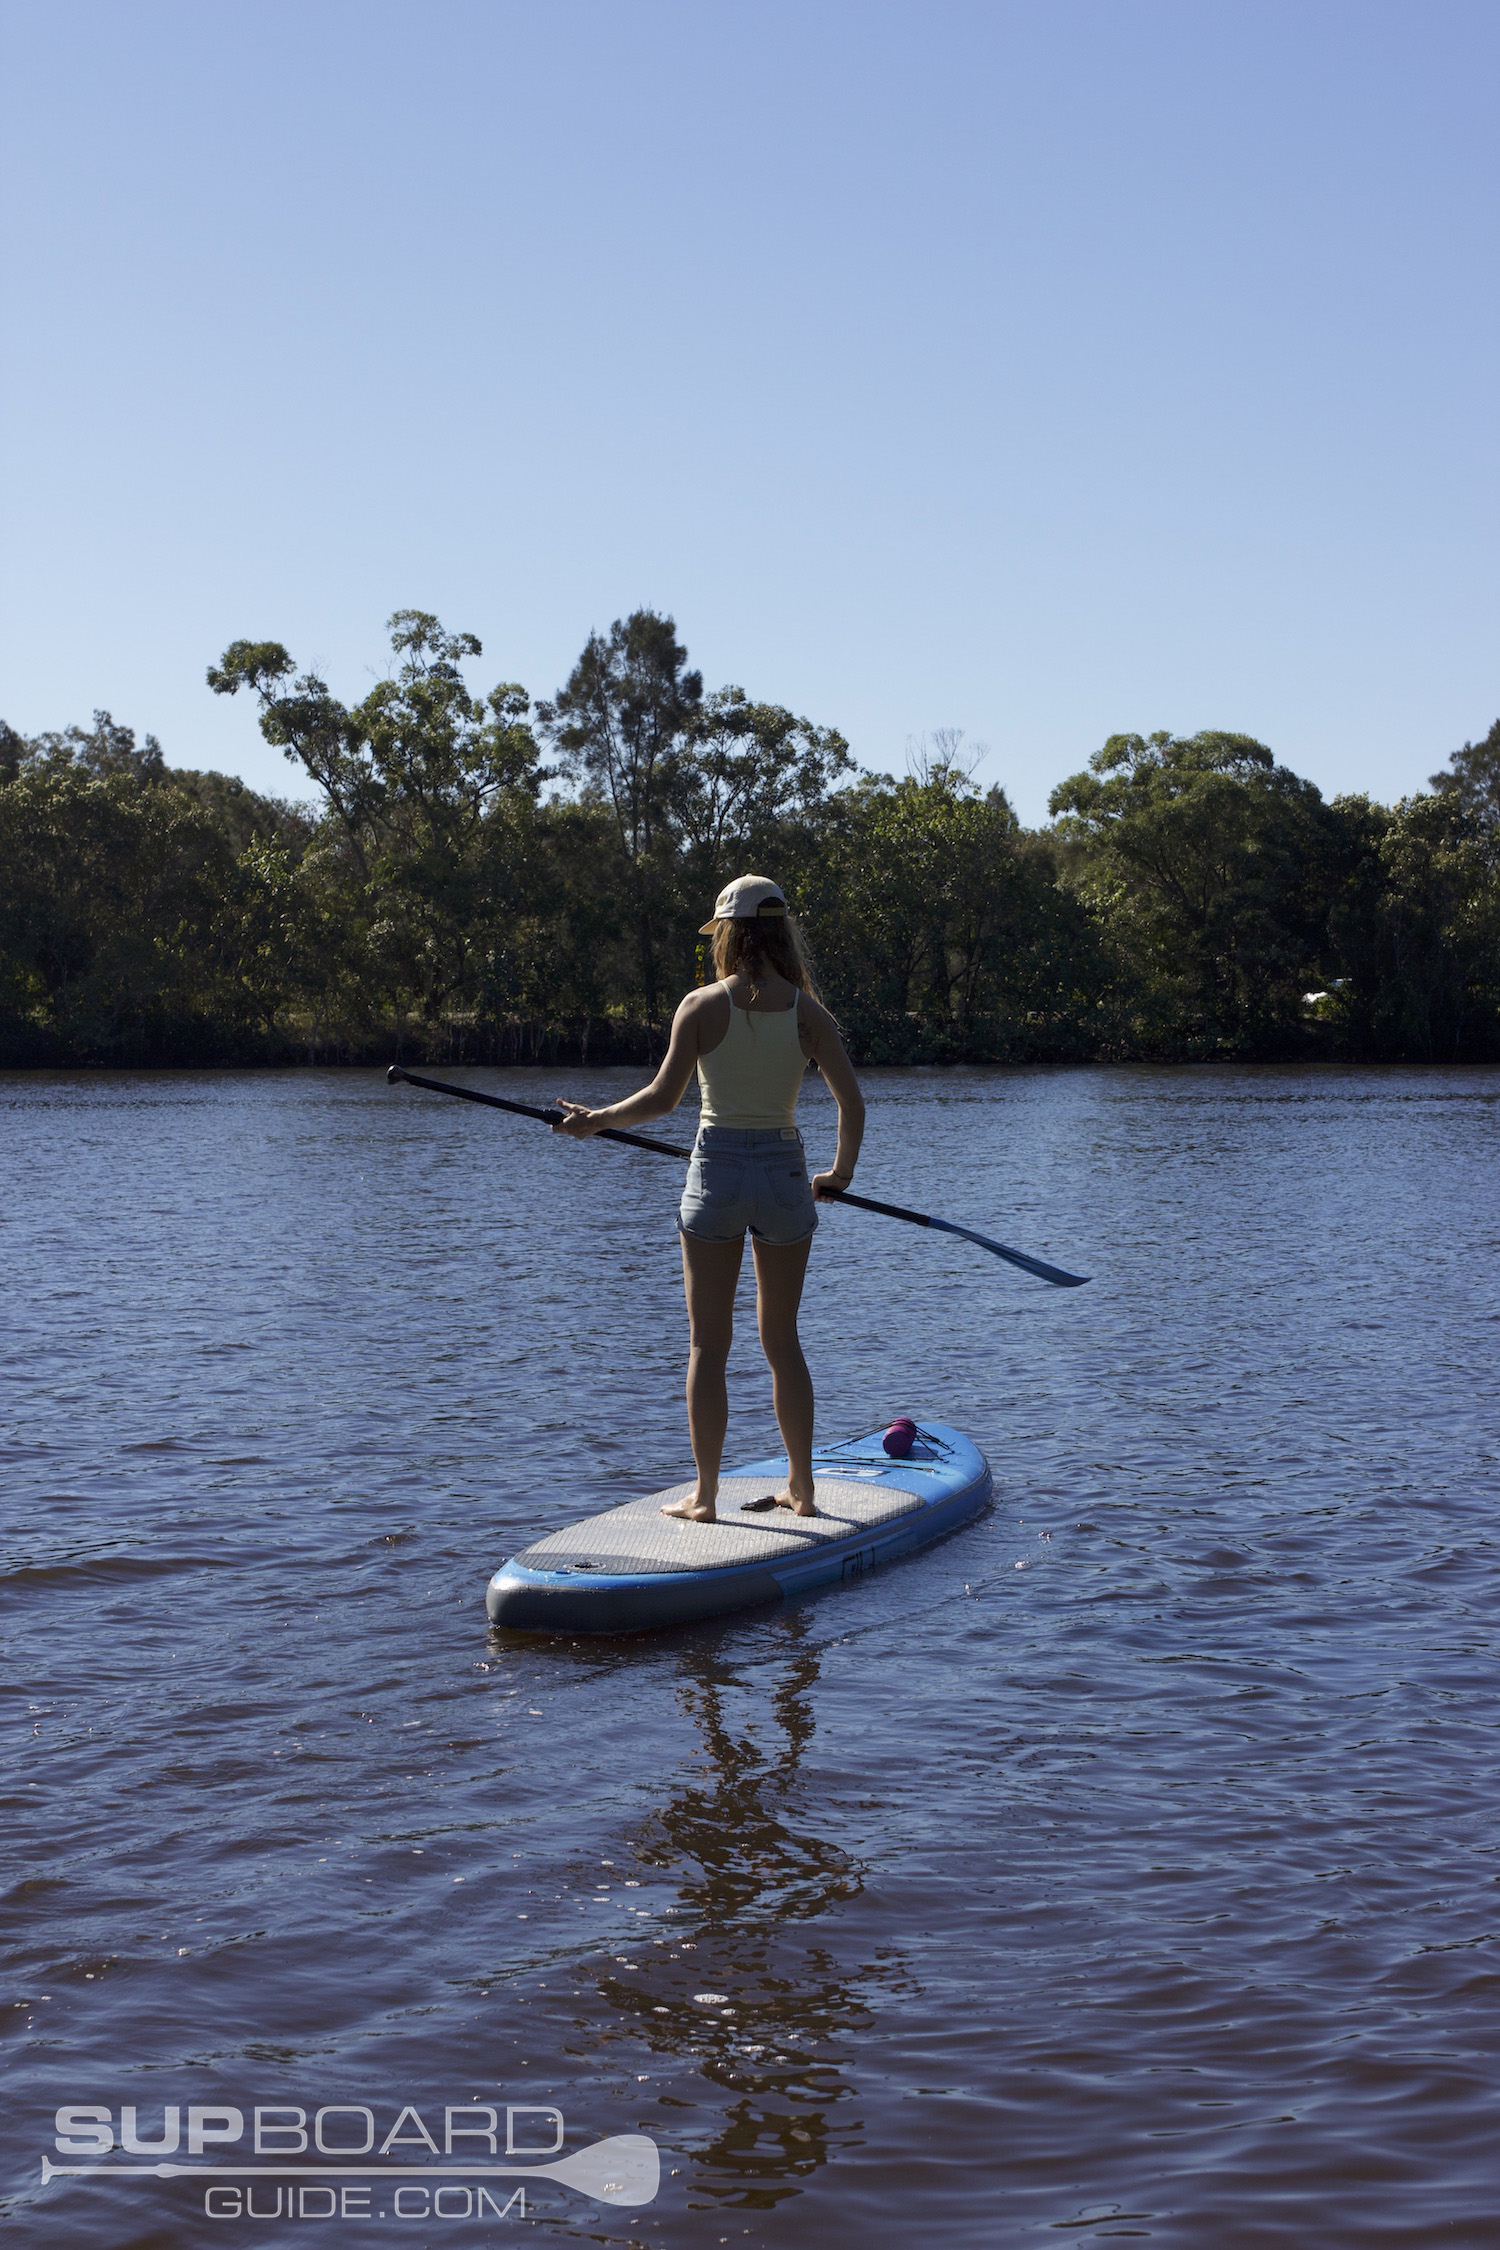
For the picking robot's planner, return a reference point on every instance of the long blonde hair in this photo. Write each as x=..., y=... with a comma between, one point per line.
x=758, y=942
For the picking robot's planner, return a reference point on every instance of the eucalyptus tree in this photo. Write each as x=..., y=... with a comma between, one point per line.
x=1472, y=778
x=1215, y=867
x=429, y=787
x=621, y=723
x=98, y=752
x=942, y=933
x=1417, y=926
x=110, y=893
x=749, y=773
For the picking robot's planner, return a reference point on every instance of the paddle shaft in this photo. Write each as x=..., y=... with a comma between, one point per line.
x=529, y=1109
x=1059, y=1278
x=886, y=1210
x=1037, y=1266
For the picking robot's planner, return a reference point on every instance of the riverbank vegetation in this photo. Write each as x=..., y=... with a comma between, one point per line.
x=483, y=879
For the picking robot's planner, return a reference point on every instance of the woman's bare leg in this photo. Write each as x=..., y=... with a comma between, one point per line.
x=780, y=1268
x=710, y=1271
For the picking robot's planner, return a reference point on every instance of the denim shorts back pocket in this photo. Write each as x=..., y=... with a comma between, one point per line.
x=715, y=1198
x=784, y=1206
x=716, y=1181
x=789, y=1182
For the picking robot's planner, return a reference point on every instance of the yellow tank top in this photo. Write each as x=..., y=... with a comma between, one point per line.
x=754, y=1075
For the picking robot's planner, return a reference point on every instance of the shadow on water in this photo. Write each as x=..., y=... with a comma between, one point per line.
x=751, y=2000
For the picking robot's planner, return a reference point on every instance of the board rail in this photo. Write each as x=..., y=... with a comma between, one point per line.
x=567, y=1582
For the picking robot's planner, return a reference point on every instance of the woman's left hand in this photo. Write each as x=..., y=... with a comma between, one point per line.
x=579, y=1124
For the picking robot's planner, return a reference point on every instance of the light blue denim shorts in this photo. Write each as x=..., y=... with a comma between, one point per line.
x=740, y=1179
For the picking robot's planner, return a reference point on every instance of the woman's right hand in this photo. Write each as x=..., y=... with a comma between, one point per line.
x=827, y=1185
x=579, y=1124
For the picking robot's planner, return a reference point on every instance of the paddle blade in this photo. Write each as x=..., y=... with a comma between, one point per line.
x=1039, y=1266
x=625, y=2169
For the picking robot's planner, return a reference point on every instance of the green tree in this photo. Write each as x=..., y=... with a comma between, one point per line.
x=941, y=930
x=242, y=813
x=108, y=895
x=748, y=772
x=100, y=752
x=1214, y=867
x=622, y=723
x=429, y=787
x=1417, y=927
x=1472, y=778
x=123, y=881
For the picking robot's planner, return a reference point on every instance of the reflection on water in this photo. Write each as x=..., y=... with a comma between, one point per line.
x=733, y=1825
x=743, y=1851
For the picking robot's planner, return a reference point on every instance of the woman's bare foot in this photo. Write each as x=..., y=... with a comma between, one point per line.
x=798, y=1507
x=693, y=1510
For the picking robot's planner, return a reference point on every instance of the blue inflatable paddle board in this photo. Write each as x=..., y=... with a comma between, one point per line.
x=631, y=1568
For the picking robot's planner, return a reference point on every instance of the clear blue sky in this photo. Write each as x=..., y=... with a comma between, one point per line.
x=1042, y=369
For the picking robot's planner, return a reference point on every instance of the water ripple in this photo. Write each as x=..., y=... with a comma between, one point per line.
x=1124, y=1869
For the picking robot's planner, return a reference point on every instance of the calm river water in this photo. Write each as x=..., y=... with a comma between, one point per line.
x=1122, y=1869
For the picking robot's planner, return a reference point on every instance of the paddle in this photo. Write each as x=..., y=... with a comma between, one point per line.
x=1055, y=1274
x=1038, y=1266
x=526, y=1109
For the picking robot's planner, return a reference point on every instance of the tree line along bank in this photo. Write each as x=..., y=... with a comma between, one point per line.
x=482, y=879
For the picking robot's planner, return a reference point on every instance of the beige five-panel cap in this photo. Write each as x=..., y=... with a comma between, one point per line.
x=745, y=898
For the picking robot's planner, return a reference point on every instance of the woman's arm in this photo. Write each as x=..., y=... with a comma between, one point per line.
x=827, y=1049
x=665, y=1090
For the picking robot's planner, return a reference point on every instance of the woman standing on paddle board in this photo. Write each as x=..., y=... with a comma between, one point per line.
x=750, y=1038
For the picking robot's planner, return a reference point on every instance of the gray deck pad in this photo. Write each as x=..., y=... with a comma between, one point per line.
x=639, y=1537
